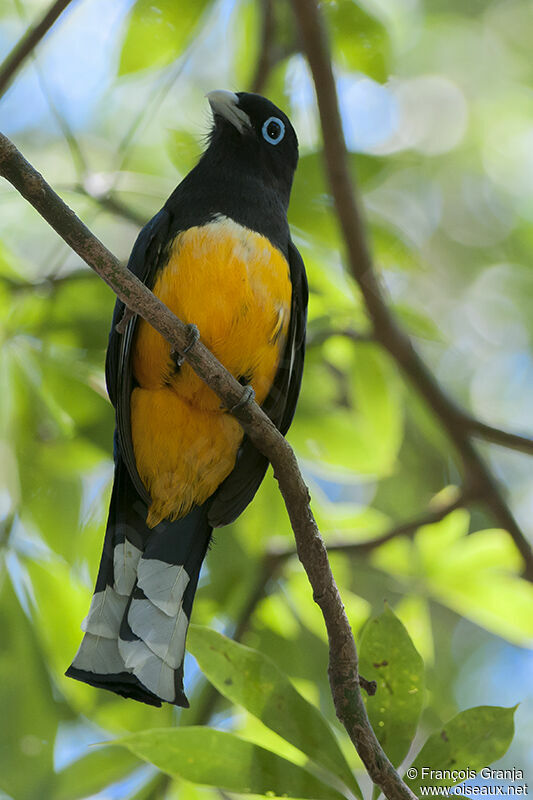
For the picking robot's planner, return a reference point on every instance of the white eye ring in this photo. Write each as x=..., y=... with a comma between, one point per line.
x=273, y=139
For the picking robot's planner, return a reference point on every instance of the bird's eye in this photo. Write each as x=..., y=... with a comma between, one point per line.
x=273, y=130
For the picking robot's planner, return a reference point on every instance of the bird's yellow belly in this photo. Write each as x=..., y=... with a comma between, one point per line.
x=235, y=286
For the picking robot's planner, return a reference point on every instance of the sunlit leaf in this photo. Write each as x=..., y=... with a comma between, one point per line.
x=249, y=678
x=311, y=209
x=61, y=605
x=62, y=602
x=184, y=149
x=29, y=713
x=363, y=437
x=357, y=608
x=388, y=656
x=361, y=42
x=92, y=773
x=471, y=740
x=246, y=23
x=476, y=575
x=214, y=758
x=166, y=25
x=413, y=611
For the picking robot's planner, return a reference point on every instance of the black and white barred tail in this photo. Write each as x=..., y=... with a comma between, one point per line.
x=134, y=642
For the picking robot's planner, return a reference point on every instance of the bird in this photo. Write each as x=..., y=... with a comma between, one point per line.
x=220, y=255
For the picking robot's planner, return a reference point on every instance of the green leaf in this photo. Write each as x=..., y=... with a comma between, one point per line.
x=360, y=41
x=388, y=656
x=363, y=429
x=414, y=612
x=476, y=575
x=215, y=758
x=61, y=603
x=184, y=149
x=249, y=678
x=29, y=714
x=311, y=208
x=246, y=29
x=157, y=33
x=471, y=740
x=297, y=586
x=92, y=773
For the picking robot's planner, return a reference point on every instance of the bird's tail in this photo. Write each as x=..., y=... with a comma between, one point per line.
x=134, y=641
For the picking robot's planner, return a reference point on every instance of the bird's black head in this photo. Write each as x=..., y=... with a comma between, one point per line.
x=254, y=135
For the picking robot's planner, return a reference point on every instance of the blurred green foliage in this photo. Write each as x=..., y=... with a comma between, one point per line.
x=436, y=102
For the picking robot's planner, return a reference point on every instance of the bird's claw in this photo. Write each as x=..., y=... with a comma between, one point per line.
x=122, y=324
x=247, y=396
x=193, y=335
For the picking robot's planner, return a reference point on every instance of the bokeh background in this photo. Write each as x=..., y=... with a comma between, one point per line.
x=437, y=103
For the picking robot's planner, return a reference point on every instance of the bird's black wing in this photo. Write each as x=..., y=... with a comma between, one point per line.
x=238, y=489
x=147, y=255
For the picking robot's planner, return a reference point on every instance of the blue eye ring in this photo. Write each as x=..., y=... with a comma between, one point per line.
x=273, y=139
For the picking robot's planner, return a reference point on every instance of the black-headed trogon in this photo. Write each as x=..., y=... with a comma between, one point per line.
x=219, y=254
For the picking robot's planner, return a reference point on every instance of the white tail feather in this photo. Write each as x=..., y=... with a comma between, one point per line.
x=99, y=655
x=105, y=614
x=125, y=559
x=164, y=635
x=164, y=584
x=151, y=670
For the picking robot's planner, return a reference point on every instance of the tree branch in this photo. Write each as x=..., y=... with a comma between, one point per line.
x=435, y=513
x=29, y=41
x=265, y=61
x=513, y=441
x=109, y=202
x=274, y=558
x=343, y=665
x=386, y=328
x=318, y=337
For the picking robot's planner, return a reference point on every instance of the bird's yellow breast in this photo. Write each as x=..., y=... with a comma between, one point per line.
x=235, y=286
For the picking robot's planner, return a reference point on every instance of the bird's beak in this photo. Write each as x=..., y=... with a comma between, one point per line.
x=226, y=104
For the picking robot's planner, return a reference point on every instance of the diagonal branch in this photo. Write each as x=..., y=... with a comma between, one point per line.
x=435, y=513
x=343, y=664
x=29, y=41
x=514, y=441
x=386, y=328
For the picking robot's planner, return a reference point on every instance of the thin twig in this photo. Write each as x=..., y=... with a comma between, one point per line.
x=274, y=559
x=265, y=61
x=50, y=282
x=277, y=43
x=513, y=441
x=78, y=158
x=343, y=672
x=110, y=203
x=386, y=328
x=435, y=513
x=318, y=337
x=29, y=41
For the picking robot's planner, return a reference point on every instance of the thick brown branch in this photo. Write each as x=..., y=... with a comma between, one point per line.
x=386, y=328
x=26, y=45
x=309, y=544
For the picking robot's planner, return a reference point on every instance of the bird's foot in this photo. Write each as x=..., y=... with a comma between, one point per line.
x=122, y=324
x=248, y=396
x=193, y=335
